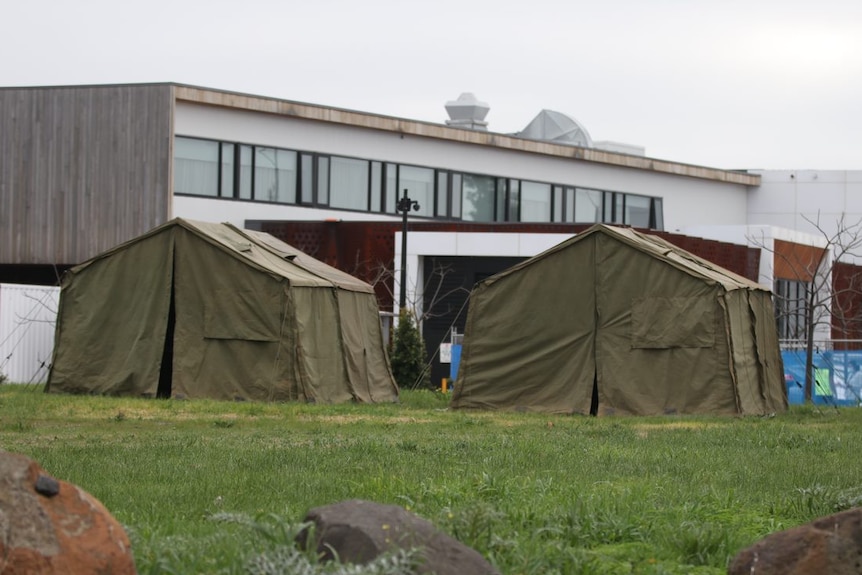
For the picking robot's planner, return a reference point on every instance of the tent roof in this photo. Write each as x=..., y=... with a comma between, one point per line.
x=259, y=250
x=653, y=246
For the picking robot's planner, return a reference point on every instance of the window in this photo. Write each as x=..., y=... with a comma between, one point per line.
x=196, y=167
x=227, y=169
x=637, y=211
x=535, y=202
x=442, y=195
x=348, y=184
x=390, y=200
x=419, y=183
x=275, y=175
x=322, y=180
x=306, y=179
x=791, y=303
x=456, y=195
x=245, y=172
x=262, y=173
x=657, y=215
x=588, y=206
x=478, y=198
x=500, y=213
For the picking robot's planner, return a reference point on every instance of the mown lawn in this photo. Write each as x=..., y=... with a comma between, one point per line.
x=204, y=486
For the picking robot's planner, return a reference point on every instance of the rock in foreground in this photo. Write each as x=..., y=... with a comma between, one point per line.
x=358, y=531
x=48, y=526
x=831, y=544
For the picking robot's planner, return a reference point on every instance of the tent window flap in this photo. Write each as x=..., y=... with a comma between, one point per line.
x=669, y=322
x=235, y=315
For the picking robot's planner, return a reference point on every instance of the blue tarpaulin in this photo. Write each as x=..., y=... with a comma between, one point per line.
x=832, y=370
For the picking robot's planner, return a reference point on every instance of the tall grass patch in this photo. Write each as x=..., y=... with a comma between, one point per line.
x=533, y=493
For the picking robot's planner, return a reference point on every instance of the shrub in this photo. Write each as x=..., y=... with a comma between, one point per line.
x=408, y=356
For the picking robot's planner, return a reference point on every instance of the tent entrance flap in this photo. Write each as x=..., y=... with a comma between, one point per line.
x=166, y=369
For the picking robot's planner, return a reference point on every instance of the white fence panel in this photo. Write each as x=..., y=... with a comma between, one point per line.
x=27, y=317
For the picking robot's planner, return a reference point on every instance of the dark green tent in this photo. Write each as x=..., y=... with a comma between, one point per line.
x=202, y=310
x=613, y=321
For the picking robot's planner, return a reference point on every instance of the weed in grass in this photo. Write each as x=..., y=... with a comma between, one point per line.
x=819, y=500
x=223, y=423
x=704, y=544
x=20, y=425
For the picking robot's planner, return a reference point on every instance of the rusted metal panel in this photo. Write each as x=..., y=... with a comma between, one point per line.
x=27, y=317
x=82, y=168
x=796, y=262
x=364, y=249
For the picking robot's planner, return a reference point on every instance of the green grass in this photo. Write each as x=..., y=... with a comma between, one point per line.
x=534, y=494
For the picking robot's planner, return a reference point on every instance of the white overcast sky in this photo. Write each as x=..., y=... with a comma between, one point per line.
x=773, y=84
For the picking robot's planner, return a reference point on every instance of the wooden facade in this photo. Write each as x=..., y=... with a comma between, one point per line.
x=82, y=169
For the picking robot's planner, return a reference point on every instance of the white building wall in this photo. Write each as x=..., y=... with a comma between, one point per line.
x=237, y=212
x=687, y=201
x=27, y=318
x=805, y=200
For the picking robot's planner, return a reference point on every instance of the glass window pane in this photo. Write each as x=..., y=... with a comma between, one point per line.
x=514, y=200
x=456, y=195
x=392, y=195
x=500, y=214
x=245, y=172
x=618, y=208
x=570, y=205
x=535, y=202
x=275, y=175
x=658, y=214
x=195, y=167
x=558, y=204
x=322, y=180
x=637, y=211
x=419, y=183
x=348, y=183
x=227, y=161
x=307, y=179
x=478, y=198
x=442, y=194
x=588, y=206
x=376, y=186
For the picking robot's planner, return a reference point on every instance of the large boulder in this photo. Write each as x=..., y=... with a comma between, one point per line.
x=358, y=531
x=49, y=526
x=831, y=544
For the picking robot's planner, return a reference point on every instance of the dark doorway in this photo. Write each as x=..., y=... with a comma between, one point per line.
x=167, y=368
x=448, y=281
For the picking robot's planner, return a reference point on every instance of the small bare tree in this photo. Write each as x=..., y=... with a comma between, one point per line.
x=425, y=304
x=823, y=304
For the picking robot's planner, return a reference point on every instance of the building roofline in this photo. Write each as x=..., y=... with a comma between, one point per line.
x=315, y=112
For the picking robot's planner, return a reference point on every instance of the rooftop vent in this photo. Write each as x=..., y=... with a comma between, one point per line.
x=467, y=112
x=557, y=127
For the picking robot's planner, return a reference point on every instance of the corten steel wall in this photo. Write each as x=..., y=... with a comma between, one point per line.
x=365, y=248
x=847, y=305
x=82, y=169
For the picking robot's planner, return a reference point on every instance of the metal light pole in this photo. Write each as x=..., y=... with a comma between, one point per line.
x=405, y=204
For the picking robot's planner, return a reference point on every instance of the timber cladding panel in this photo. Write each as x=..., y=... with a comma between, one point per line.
x=82, y=169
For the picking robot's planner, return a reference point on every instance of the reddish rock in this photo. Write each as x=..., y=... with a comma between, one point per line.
x=831, y=544
x=49, y=526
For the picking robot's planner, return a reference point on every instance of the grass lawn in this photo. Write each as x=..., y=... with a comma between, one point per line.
x=204, y=486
